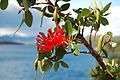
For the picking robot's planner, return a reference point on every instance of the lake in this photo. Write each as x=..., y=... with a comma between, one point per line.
x=16, y=63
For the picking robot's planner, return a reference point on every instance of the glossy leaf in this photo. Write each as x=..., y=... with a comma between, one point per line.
x=106, y=14
x=63, y=64
x=77, y=10
x=55, y=16
x=26, y=4
x=56, y=66
x=96, y=26
x=32, y=2
x=66, y=0
x=65, y=7
x=106, y=7
x=40, y=56
x=48, y=15
x=100, y=43
x=28, y=18
x=105, y=52
x=60, y=52
x=85, y=12
x=37, y=8
x=20, y=2
x=50, y=9
x=74, y=31
x=68, y=27
x=97, y=14
x=104, y=21
x=76, y=51
x=3, y=4
x=47, y=65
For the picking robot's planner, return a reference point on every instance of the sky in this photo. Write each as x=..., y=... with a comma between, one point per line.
x=10, y=20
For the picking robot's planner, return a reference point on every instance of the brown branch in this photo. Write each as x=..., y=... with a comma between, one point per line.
x=41, y=3
x=90, y=41
x=83, y=31
x=109, y=40
x=97, y=57
x=84, y=52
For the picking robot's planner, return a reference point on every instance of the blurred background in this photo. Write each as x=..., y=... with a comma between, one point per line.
x=18, y=51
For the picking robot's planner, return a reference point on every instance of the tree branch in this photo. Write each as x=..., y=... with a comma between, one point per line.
x=83, y=30
x=84, y=52
x=97, y=57
x=90, y=41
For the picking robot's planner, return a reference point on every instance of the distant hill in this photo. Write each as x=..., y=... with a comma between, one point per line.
x=16, y=39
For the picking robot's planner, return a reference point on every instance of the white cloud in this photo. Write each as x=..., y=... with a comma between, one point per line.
x=10, y=31
x=13, y=5
x=114, y=22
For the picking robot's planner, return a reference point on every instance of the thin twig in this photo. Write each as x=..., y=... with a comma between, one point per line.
x=83, y=31
x=90, y=37
x=84, y=52
x=98, y=57
x=109, y=40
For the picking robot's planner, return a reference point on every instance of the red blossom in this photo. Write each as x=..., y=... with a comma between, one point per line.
x=54, y=39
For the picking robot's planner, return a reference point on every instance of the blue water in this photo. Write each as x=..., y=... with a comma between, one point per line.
x=16, y=63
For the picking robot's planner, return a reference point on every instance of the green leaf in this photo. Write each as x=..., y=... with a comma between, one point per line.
x=32, y=2
x=104, y=21
x=50, y=9
x=106, y=14
x=56, y=66
x=105, y=52
x=106, y=7
x=74, y=31
x=23, y=20
x=109, y=33
x=47, y=65
x=20, y=2
x=63, y=64
x=66, y=0
x=60, y=52
x=3, y=4
x=28, y=18
x=96, y=26
x=26, y=4
x=77, y=10
x=76, y=51
x=48, y=15
x=65, y=7
x=68, y=27
x=85, y=12
x=37, y=8
x=100, y=43
x=97, y=14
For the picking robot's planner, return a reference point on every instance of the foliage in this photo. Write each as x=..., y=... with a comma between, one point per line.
x=68, y=33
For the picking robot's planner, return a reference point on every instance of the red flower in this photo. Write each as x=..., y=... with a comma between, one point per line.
x=54, y=39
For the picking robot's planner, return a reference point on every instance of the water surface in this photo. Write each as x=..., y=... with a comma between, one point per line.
x=16, y=63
